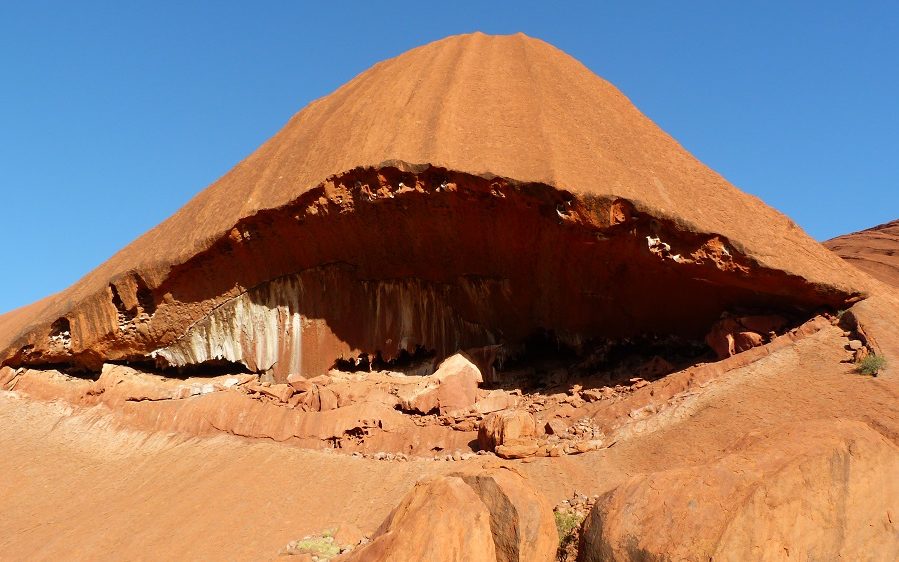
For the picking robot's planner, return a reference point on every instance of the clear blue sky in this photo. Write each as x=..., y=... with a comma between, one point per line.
x=113, y=114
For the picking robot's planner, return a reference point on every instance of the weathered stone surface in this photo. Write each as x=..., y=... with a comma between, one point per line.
x=874, y=250
x=556, y=426
x=452, y=388
x=484, y=515
x=348, y=534
x=520, y=517
x=517, y=448
x=502, y=427
x=823, y=490
x=441, y=519
x=280, y=392
x=495, y=401
x=299, y=382
x=732, y=335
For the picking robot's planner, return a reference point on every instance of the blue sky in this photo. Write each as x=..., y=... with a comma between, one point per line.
x=114, y=114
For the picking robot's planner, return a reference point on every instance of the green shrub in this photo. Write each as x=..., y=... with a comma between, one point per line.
x=323, y=546
x=566, y=523
x=871, y=365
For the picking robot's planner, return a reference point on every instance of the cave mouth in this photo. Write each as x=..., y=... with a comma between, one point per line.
x=545, y=361
x=381, y=264
x=399, y=268
x=418, y=361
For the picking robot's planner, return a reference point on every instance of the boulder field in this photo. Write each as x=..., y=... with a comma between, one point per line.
x=473, y=305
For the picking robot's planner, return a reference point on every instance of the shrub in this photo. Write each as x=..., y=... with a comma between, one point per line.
x=566, y=523
x=321, y=546
x=871, y=365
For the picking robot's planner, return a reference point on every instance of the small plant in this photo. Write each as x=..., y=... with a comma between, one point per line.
x=871, y=365
x=566, y=523
x=322, y=547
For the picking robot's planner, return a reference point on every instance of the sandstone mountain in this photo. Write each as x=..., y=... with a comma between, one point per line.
x=874, y=251
x=467, y=193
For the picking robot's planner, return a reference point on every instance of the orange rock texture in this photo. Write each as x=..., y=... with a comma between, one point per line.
x=875, y=251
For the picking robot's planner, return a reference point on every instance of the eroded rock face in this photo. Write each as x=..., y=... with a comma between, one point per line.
x=484, y=515
x=821, y=491
x=325, y=246
x=412, y=532
x=449, y=291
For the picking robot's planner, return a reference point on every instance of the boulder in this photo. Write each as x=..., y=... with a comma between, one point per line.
x=319, y=399
x=732, y=335
x=823, y=490
x=556, y=426
x=503, y=427
x=519, y=448
x=874, y=250
x=360, y=392
x=456, y=393
x=280, y=392
x=744, y=341
x=478, y=515
x=458, y=365
x=520, y=517
x=495, y=401
x=119, y=383
x=452, y=388
x=441, y=519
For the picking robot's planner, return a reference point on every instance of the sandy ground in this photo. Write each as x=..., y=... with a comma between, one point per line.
x=75, y=488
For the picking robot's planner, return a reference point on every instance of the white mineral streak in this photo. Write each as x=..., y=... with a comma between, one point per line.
x=259, y=328
x=264, y=326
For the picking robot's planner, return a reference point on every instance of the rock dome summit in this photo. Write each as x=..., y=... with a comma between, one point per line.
x=478, y=191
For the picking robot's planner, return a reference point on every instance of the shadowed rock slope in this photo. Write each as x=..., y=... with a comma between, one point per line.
x=467, y=193
x=875, y=251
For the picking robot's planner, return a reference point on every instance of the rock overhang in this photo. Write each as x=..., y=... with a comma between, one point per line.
x=387, y=260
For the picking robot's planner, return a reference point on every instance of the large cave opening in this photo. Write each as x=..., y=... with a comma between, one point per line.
x=384, y=268
x=400, y=267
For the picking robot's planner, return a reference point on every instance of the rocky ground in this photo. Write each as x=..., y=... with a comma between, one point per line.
x=87, y=455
